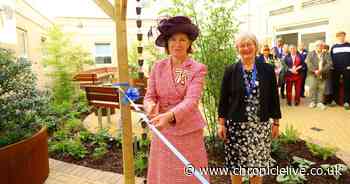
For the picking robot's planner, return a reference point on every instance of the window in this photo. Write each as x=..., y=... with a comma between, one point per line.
x=22, y=43
x=103, y=53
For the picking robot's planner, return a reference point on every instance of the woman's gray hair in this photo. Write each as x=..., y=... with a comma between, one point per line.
x=247, y=36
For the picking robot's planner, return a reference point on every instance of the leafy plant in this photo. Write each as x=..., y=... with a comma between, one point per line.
x=24, y=109
x=61, y=135
x=100, y=137
x=73, y=125
x=302, y=163
x=289, y=136
x=70, y=147
x=336, y=170
x=140, y=163
x=64, y=59
x=276, y=149
x=291, y=178
x=85, y=136
x=322, y=152
x=100, y=151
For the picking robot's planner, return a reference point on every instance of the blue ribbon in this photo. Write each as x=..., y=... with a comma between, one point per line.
x=131, y=93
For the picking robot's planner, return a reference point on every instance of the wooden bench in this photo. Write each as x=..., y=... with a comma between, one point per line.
x=107, y=97
x=95, y=76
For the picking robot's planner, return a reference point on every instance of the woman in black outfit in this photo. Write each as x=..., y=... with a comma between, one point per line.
x=249, y=98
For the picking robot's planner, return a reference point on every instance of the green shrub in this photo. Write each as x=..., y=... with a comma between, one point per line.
x=100, y=151
x=24, y=109
x=73, y=125
x=321, y=152
x=100, y=137
x=291, y=178
x=140, y=163
x=331, y=169
x=302, y=163
x=289, y=136
x=70, y=147
x=85, y=136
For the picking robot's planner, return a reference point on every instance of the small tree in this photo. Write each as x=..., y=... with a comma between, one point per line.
x=64, y=59
x=22, y=106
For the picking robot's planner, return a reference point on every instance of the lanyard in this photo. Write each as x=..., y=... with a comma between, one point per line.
x=249, y=86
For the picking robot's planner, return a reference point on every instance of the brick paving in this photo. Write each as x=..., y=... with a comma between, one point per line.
x=66, y=173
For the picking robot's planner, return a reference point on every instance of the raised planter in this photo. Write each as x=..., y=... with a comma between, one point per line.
x=25, y=162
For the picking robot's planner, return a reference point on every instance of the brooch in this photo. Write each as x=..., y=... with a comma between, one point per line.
x=180, y=76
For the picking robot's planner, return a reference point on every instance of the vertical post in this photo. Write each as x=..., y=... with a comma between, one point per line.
x=122, y=50
x=99, y=115
x=109, y=116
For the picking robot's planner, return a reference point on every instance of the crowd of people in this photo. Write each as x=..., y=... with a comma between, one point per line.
x=328, y=71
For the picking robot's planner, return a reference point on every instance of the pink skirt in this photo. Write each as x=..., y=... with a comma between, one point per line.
x=165, y=167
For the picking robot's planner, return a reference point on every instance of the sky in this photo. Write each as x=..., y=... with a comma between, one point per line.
x=87, y=8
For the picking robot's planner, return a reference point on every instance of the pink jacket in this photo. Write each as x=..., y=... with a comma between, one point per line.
x=183, y=100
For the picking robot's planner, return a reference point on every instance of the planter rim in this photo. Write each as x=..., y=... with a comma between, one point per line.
x=43, y=129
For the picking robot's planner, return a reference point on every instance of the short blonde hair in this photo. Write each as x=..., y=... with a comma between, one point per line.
x=244, y=36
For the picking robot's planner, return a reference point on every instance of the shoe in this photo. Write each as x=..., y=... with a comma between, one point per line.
x=346, y=106
x=312, y=105
x=321, y=106
x=302, y=96
x=289, y=104
x=296, y=103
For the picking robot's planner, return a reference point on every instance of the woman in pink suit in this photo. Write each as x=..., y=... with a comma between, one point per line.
x=173, y=94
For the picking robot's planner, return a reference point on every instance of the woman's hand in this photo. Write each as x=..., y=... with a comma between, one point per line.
x=150, y=109
x=163, y=120
x=275, y=129
x=222, y=129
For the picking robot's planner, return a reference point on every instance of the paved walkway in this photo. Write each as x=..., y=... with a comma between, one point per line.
x=65, y=173
x=327, y=127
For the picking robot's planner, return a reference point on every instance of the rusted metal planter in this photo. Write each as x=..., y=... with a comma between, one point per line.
x=25, y=162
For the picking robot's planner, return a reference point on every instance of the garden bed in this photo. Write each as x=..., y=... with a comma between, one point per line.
x=112, y=161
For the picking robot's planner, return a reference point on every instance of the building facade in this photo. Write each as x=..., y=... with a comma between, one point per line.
x=29, y=35
x=97, y=35
x=295, y=20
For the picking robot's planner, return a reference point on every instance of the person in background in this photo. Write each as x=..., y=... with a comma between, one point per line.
x=278, y=49
x=266, y=56
x=278, y=65
x=173, y=94
x=282, y=81
x=293, y=76
x=248, y=99
x=328, y=91
x=319, y=64
x=340, y=54
x=303, y=53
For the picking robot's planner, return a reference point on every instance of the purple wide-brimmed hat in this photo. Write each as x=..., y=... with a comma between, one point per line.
x=177, y=24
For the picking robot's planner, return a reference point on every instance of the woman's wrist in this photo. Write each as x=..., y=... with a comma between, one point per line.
x=276, y=123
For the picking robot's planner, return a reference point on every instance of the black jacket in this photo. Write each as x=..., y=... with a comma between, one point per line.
x=232, y=105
